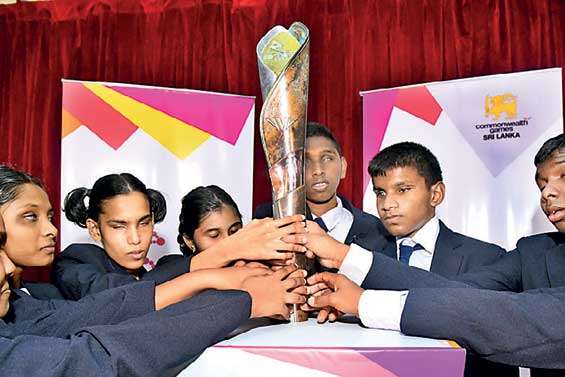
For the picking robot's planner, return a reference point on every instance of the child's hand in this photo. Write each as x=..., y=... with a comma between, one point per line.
x=329, y=252
x=234, y=277
x=263, y=239
x=253, y=264
x=271, y=294
x=335, y=291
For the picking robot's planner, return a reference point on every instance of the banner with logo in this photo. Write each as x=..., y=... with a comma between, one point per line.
x=173, y=140
x=485, y=132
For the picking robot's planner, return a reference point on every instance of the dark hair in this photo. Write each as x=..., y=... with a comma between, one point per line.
x=106, y=188
x=11, y=182
x=407, y=154
x=556, y=143
x=3, y=238
x=196, y=205
x=318, y=129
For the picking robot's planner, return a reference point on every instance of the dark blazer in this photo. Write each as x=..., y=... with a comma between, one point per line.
x=83, y=269
x=537, y=262
x=525, y=329
x=454, y=253
x=113, y=333
x=366, y=230
x=43, y=291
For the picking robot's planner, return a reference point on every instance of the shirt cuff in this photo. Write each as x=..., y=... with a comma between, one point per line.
x=356, y=264
x=382, y=309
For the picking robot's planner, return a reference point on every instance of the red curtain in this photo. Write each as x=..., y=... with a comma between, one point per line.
x=210, y=45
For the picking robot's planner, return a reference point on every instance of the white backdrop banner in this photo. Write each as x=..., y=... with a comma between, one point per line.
x=171, y=139
x=485, y=132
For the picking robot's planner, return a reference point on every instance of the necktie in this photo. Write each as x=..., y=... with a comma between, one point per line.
x=321, y=223
x=406, y=251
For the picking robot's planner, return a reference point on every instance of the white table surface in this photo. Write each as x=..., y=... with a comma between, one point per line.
x=261, y=349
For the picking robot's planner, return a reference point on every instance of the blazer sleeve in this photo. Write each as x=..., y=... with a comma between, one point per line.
x=522, y=329
x=388, y=273
x=36, y=356
x=161, y=343
x=183, y=331
x=61, y=318
x=168, y=267
x=505, y=274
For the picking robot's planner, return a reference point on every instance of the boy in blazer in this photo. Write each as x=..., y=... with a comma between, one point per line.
x=518, y=325
x=325, y=167
x=408, y=183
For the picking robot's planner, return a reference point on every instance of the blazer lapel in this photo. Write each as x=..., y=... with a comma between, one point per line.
x=355, y=231
x=387, y=246
x=555, y=261
x=446, y=261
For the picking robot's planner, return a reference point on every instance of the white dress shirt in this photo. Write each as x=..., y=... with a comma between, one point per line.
x=377, y=309
x=25, y=290
x=338, y=220
x=383, y=309
x=426, y=237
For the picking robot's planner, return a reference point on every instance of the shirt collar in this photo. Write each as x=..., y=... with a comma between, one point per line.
x=334, y=215
x=426, y=236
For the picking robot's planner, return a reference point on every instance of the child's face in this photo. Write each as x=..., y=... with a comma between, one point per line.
x=214, y=227
x=125, y=228
x=30, y=232
x=550, y=180
x=4, y=289
x=6, y=268
x=324, y=169
x=404, y=201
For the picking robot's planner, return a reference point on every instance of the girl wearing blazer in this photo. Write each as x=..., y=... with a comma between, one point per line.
x=121, y=213
x=110, y=333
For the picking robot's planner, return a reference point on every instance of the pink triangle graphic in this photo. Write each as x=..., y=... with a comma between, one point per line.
x=377, y=107
x=418, y=101
x=105, y=122
x=342, y=362
x=212, y=113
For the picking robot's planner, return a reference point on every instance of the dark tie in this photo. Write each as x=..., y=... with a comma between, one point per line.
x=321, y=223
x=407, y=250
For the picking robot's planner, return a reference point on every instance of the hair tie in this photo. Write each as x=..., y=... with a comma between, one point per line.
x=86, y=198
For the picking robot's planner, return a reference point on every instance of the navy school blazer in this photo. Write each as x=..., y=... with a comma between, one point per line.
x=113, y=333
x=82, y=269
x=537, y=262
x=526, y=323
x=454, y=253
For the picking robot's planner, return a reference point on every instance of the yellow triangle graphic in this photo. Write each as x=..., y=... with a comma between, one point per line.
x=178, y=137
